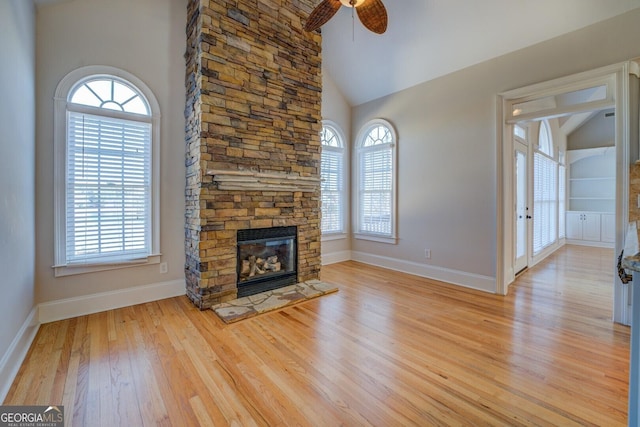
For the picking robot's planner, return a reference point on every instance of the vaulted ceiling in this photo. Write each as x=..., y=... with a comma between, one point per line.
x=426, y=39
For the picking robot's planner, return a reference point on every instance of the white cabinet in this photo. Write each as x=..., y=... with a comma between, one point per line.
x=583, y=226
x=590, y=228
x=574, y=225
x=608, y=228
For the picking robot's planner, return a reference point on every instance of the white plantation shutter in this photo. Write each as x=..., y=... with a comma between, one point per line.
x=545, y=202
x=332, y=173
x=376, y=182
x=376, y=187
x=108, y=189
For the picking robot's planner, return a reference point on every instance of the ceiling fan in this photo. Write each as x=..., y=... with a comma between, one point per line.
x=372, y=14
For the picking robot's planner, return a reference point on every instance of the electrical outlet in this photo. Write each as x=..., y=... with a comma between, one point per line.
x=164, y=268
x=427, y=253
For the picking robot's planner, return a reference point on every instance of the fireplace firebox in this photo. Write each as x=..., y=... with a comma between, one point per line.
x=267, y=259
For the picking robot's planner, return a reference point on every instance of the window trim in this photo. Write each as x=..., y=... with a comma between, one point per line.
x=68, y=83
x=391, y=238
x=335, y=128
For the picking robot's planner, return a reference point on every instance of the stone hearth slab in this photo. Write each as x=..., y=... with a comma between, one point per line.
x=252, y=305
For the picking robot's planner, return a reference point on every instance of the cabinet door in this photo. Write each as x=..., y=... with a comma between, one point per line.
x=574, y=225
x=608, y=228
x=591, y=227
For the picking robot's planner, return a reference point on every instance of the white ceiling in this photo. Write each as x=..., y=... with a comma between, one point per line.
x=426, y=39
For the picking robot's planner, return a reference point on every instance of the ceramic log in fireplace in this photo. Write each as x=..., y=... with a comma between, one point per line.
x=267, y=259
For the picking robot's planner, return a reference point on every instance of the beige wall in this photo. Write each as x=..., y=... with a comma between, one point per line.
x=446, y=131
x=147, y=39
x=447, y=144
x=17, y=170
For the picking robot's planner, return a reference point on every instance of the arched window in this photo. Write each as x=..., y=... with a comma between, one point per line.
x=376, y=182
x=106, y=161
x=332, y=173
x=110, y=93
x=545, y=143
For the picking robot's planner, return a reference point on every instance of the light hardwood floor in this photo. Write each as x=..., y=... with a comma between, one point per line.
x=388, y=349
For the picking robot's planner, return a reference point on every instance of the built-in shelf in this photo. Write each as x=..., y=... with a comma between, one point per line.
x=592, y=181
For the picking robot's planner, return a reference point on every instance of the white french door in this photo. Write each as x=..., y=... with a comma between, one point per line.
x=521, y=244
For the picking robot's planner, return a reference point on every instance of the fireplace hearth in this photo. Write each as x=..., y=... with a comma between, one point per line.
x=267, y=259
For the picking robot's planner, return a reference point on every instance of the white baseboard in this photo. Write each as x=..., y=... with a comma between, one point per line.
x=95, y=303
x=460, y=278
x=334, y=257
x=73, y=307
x=15, y=354
x=588, y=243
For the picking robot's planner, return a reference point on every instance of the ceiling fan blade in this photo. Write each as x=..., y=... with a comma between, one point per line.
x=373, y=15
x=321, y=14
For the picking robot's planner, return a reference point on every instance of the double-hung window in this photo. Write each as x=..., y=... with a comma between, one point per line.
x=376, y=182
x=106, y=191
x=332, y=173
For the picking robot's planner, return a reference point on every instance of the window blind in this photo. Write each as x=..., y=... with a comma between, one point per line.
x=545, y=202
x=376, y=190
x=108, y=211
x=562, y=197
x=331, y=171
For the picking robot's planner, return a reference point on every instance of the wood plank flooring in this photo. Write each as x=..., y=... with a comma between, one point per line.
x=388, y=349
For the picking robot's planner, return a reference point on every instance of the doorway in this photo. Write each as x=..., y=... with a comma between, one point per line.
x=605, y=88
x=556, y=203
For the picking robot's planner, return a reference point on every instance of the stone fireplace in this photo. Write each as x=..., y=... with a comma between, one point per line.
x=252, y=135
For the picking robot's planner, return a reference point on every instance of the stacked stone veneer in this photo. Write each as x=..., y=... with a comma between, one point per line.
x=253, y=103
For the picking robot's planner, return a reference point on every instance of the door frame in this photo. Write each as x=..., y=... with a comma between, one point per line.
x=616, y=77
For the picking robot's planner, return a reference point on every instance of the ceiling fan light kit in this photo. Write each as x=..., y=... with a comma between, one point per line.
x=352, y=3
x=371, y=13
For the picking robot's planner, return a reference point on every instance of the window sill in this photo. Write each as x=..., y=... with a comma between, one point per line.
x=376, y=238
x=333, y=236
x=71, y=270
